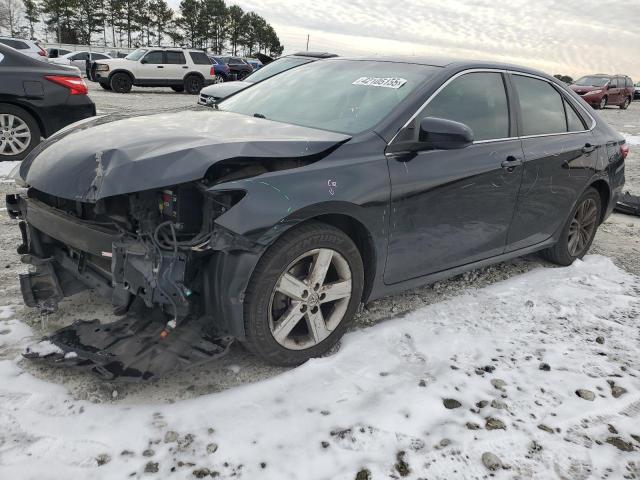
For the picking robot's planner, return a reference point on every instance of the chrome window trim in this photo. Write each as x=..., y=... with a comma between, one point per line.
x=498, y=70
x=562, y=94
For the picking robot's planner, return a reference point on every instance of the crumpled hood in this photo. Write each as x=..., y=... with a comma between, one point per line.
x=102, y=158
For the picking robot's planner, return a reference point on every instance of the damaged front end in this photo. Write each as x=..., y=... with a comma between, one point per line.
x=149, y=254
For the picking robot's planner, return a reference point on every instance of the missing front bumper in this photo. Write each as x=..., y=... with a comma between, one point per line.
x=133, y=348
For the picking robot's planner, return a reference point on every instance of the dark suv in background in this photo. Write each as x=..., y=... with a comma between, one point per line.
x=601, y=90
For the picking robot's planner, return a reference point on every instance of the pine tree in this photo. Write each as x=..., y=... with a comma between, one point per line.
x=190, y=22
x=89, y=20
x=160, y=16
x=31, y=15
x=235, y=24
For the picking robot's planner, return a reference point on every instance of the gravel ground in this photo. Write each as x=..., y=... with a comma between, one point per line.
x=618, y=239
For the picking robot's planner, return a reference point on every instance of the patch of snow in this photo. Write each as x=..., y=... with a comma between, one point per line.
x=632, y=139
x=378, y=403
x=7, y=167
x=43, y=348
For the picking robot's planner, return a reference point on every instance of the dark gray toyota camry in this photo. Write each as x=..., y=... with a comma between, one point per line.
x=271, y=219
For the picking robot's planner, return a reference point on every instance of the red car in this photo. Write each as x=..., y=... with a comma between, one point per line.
x=601, y=90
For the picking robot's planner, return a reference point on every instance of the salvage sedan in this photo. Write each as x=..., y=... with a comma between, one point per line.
x=273, y=217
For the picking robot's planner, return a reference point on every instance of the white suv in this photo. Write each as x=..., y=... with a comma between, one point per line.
x=28, y=47
x=181, y=69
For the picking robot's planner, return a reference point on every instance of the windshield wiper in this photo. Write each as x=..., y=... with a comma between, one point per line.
x=259, y=115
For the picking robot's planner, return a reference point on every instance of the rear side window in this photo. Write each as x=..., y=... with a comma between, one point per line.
x=17, y=44
x=541, y=107
x=629, y=82
x=80, y=56
x=154, y=57
x=98, y=56
x=176, y=58
x=478, y=100
x=200, y=58
x=574, y=122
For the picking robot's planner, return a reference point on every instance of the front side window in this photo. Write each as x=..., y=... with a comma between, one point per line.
x=17, y=44
x=98, y=56
x=176, y=58
x=155, y=57
x=478, y=100
x=80, y=56
x=541, y=106
x=347, y=96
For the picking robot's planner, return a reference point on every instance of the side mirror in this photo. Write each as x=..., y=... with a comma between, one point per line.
x=440, y=134
x=143, y=61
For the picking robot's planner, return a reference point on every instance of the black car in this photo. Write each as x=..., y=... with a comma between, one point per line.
x=36, y=100
x=278, y=213
x=214, y=93
x=237, y=66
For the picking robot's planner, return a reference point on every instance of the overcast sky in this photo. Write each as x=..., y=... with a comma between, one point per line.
x=572, y=37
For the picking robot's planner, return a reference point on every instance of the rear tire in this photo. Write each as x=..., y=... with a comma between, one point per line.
x=319, y=314
x=579, y=230
x=193, y=84
x=177, y=88
x=19, y=132
x=121, y=83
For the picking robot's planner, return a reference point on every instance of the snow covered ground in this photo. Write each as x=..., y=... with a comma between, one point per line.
x=436, y=383
x=494, y=370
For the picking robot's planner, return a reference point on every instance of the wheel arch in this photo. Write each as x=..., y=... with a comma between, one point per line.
x=43, y=129
x=121, y=70
x=191, y=74
x=605, y=196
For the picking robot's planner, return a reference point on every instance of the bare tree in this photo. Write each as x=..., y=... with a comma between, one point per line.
x=11, y=12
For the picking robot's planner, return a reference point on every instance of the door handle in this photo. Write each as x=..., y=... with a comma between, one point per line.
x=185, y=67
x=588, y=148
x=159, y=66
x=511, y=163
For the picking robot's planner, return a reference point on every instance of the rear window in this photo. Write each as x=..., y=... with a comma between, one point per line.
x=200, y=58
x=175, y=58
x=17, y=44
x=541, y=106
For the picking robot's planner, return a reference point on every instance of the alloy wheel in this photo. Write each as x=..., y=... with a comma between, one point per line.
x=582, y=227
x=603, y=102
x=310, y=299
x=218, y=78
x=15, y=135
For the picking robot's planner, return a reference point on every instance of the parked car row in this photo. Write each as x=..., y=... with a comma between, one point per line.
x=603, y=90
x=36, y=100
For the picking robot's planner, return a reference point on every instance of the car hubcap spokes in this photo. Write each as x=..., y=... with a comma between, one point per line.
x=310, y=299
x=582, y=227
x=15, y=135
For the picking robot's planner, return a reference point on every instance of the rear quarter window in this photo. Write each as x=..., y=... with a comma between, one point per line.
x=175, y=58
x=201, y=58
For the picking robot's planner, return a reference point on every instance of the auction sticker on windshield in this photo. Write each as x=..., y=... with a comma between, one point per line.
x=388, y=82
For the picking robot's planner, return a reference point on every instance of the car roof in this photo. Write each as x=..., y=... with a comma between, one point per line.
x=448, y=62
x=314, y=54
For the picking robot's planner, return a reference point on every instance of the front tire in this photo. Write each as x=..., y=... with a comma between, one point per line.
x=19, y=132
x=603, y=103
x=121, y=83
x=193, y=84
x=303, y=295
x=579, y=230
x=625, y=105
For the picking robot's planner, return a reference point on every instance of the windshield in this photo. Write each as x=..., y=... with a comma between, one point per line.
x=136, y=54
x=275, y=67
x=592, y=81
x=347, y=96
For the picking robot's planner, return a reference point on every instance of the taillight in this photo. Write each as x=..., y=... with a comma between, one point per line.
x=624, y=150
x=42, y=51
x=212, y=72
x=75, y=85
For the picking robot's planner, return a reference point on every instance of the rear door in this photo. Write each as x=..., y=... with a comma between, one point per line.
x=560, y=156
x=454, y=207
x=176, y=65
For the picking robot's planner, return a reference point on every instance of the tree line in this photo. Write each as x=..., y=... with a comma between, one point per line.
x=210, y=24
